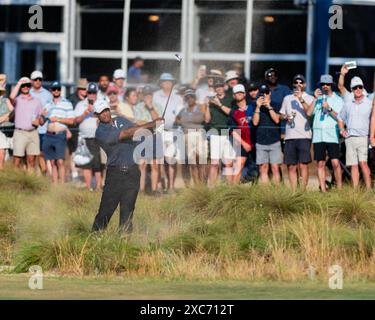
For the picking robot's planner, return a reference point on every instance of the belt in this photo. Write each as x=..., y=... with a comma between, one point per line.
x=54, y=133
x=123, y=168
x=27, y=130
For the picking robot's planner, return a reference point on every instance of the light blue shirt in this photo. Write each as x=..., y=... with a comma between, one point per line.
x=325, y=127
x=356, y=115
x=63, y=109
x=45, y=97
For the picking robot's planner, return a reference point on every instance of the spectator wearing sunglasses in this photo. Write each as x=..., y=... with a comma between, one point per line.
x=355, y=116
x=296, y=109
x=38, y=91
x=27, y=118
x=325, y=130
x=57, y=115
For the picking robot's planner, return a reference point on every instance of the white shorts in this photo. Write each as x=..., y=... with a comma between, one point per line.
x=4, y=141
x=174, y=146
x=196, y=147
x=221, y=148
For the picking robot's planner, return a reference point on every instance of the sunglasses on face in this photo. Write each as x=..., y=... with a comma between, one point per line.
x=26, y=86
x=326, y=84
x=357, y=87
x=298, y=82
x=38, y=79
x=112, y=93
x=56, y=89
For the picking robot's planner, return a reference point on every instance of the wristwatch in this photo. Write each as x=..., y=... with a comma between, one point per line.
x=330, y=109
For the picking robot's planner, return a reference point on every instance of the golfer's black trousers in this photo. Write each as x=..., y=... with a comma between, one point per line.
x=121, y=187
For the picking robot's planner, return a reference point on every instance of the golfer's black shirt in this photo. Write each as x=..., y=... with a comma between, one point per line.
x=119, y=153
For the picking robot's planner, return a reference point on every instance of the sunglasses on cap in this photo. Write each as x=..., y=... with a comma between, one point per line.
x=357, y=87
x=38, y=79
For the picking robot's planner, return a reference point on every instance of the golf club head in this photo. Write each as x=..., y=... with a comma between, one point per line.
x=178, y=57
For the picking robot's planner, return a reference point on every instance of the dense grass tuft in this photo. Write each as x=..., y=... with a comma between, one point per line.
x=21, y=181
x=226, y=232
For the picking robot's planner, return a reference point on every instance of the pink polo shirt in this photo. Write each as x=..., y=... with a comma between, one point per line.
x=27, y=109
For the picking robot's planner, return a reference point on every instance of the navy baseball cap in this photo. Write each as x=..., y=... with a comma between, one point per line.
x=299, y=77
x=55, y=84
x=92, y=87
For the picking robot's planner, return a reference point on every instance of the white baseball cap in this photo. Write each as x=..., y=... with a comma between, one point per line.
x=356, y=81
x=25, y=80
x=100, y=106
x=119, y=74
x=238, y=88
x=230, y=75
x=36, y=74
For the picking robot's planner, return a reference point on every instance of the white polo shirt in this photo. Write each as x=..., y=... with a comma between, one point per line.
x=175, y=105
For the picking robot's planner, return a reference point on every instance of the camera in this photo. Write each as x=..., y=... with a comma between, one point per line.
x=263, y=89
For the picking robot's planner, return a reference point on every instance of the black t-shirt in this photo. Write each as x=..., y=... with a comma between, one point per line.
x=268, y=132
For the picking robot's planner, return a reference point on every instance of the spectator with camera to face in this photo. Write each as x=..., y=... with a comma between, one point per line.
x=355, y=115
x=327, y=106
x=217, y=118
x=296, y=109
x=268, y=144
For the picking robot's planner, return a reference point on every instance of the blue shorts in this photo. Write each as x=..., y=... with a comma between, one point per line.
x=41, y=138
x=54, y=146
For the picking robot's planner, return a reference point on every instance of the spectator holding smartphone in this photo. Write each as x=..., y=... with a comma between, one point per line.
x=325, y=130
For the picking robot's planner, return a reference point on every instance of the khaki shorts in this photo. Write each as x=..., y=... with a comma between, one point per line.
x=4, y=143
x=356, y=150
x=26, y=142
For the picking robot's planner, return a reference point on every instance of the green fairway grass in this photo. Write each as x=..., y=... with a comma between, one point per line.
x=16, y=287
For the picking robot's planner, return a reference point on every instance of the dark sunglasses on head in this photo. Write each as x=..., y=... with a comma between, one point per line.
x=38, y=79
x=357, y=87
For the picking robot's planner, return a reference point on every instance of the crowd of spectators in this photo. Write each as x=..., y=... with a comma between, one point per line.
x=218, y=127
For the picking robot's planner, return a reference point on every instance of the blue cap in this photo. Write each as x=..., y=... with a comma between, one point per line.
x=92, y=87
x=56, y=84
x=166, y=77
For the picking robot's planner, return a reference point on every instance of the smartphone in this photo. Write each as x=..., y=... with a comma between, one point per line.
x=202, y=69
x=351, y=64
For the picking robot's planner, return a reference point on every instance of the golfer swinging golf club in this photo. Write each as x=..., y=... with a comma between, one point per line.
x=115, y=137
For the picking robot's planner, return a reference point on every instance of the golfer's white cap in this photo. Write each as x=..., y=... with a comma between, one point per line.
x=119, y=74
x=238, y=88
x=100, y=106
x=356, y=81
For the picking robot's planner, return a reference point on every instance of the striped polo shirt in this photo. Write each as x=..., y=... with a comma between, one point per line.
x=62, y=109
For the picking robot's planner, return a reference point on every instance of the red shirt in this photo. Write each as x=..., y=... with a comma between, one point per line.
x=240, y=120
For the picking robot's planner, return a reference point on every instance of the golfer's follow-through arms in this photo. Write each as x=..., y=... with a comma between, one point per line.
x=129, y=132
